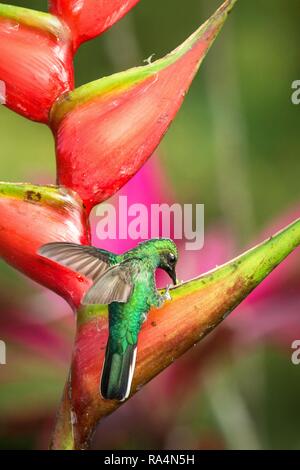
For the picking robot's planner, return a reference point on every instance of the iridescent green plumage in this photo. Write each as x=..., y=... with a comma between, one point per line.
x=127, y=283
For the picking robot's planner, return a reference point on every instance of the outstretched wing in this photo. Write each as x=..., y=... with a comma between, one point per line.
x=86, y=260
x=115, y=285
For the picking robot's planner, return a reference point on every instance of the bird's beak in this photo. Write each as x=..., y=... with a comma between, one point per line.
x=172, y=274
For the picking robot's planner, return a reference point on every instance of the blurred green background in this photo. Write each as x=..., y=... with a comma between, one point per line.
x=234, y=147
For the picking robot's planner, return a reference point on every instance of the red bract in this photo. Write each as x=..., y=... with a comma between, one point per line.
x=107, y=129
x=36, y=61
x=32, y=216
x=89, y=18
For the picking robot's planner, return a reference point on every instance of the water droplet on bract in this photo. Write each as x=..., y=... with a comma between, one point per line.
x=73, y=418
x=11, y=27
x=80, y=278
x=163, y=119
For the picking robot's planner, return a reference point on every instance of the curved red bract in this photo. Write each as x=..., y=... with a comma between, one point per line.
x=89, y=18
x=27, y=223
x=36, y=68
x=102, y=143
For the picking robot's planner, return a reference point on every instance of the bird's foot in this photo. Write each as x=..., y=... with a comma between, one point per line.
x=167, y=295
x=161, y=299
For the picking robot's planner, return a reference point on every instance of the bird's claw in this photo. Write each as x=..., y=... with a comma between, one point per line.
x=167, y=295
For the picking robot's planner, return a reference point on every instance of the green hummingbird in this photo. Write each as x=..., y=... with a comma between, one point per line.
x=126, y=283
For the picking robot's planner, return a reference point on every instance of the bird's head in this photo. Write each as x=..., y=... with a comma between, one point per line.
x=163, y=252
x=168, y=257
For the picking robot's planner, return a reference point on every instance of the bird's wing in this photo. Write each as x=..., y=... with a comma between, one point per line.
x=86, y=260
x=115, y=285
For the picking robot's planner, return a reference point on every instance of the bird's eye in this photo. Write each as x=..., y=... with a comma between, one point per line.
x=171, y=258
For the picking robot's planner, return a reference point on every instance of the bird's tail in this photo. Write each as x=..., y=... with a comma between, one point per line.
x=118, y=372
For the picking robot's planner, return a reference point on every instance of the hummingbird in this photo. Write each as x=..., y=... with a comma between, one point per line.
x=126, y=283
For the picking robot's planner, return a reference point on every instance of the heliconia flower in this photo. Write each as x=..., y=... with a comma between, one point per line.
x=89, y=18
x=196, y=308
x=36, y=64
x=32, y=216
x=107, y=129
